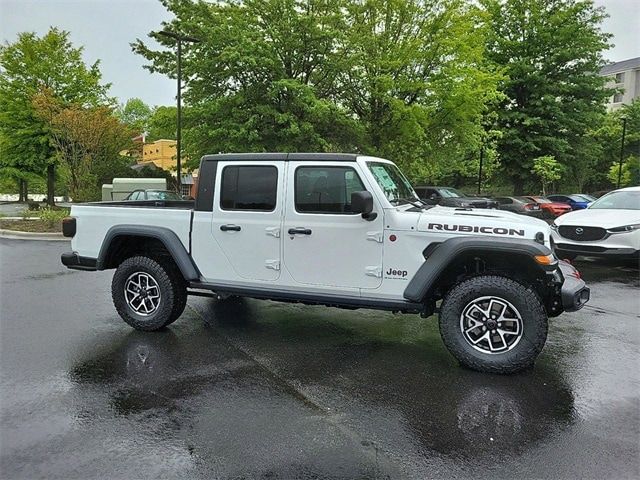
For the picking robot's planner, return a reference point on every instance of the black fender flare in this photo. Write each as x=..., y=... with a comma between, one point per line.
x=166, y=236
x=445, y=253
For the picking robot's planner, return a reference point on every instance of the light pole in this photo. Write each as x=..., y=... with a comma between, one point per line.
x=480, y=170
x=624, y=131
x=179, y=39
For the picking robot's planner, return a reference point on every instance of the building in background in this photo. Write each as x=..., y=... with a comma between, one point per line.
x=624, y=76
x=162, y=153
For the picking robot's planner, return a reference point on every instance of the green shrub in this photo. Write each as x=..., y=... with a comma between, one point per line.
x=53, y=216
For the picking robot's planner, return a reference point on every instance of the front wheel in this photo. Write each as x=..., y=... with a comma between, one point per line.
x=147, y=294
x=493, y=324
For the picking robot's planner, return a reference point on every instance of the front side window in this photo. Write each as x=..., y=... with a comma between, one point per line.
x=325, y=189
x=393, y=183
x=248, y=187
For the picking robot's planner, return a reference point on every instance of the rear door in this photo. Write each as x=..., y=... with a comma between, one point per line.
x=324, y=243
x=247, y=217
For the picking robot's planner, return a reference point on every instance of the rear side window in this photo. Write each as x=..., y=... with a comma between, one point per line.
x=326, y=189
x=246, y=187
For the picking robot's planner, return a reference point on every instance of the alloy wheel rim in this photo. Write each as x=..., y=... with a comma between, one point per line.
x=142, y=293
x=491, y=325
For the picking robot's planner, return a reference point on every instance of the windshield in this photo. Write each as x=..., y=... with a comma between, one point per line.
x=586, y=198
x=578, y=198
x=451, y=193
x=618, y=201
x=392, y=182
x=162, y=195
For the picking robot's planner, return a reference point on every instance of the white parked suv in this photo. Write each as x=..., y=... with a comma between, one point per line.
x=339, y=230
x=610, y=226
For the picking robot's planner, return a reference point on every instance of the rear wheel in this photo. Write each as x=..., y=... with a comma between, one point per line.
x=147, y=294
x=493, y=324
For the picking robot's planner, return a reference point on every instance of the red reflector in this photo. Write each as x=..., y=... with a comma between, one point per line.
x=393, y=238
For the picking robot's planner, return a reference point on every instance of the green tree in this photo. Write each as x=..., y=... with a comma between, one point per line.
x=256, y=80
x=87, y=140
x=26, y=66
x=136, y=114
x=162, y=123
x=551, y=52
x=416, y=78
x=547, y=169
x=400, y=78
x=609, y=139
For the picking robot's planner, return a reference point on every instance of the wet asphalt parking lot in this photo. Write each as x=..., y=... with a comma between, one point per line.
x=256, y=389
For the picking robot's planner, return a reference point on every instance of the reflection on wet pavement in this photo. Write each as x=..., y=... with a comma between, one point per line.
x=244, y=389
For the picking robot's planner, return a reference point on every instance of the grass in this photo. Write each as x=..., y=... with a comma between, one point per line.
x=50, y=221
x=40, y=226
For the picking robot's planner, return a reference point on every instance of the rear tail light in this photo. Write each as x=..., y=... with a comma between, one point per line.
x=69, y=226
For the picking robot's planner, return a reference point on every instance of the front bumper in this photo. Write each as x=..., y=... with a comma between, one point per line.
x=617, y=244
x=76, y=262
x=575, y=293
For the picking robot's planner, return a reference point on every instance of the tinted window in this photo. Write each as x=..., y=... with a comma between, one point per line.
x=249, y=188
x=504, y=200
x=326, y=189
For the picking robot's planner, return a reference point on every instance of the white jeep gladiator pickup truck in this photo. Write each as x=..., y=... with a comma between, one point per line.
x=334, y=229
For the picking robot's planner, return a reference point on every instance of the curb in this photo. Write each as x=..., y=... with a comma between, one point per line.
x=16, y=235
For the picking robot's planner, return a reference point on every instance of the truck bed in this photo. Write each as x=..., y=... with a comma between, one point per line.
x=95, y=220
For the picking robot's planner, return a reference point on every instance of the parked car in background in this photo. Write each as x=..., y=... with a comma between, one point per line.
x=610, y=226
x=521, y=205
x=576, y=202
x=153, y=195
x=450, y=197
x=588, y=198
x=550, y=208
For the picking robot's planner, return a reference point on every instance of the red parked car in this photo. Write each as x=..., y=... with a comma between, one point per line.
x=551, y=209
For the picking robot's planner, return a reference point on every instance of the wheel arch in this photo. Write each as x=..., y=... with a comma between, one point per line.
x=123, y=241
x=459, y=257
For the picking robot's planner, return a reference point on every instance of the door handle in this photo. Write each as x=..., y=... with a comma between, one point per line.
x=232, y=228
x=300, y=231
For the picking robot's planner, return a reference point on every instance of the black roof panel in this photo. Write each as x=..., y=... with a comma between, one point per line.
x=279, y=157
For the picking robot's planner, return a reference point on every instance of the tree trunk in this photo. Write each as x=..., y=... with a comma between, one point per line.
x=518, y=186
x=21, y=191
x=51, y=182
x=26, y=190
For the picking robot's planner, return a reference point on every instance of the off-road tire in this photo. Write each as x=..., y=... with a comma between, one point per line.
x=534, y=324
x=179, y=287
x=168, y=308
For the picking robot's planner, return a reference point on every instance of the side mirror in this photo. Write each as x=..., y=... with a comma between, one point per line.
x=433, y=197
x=362, y=202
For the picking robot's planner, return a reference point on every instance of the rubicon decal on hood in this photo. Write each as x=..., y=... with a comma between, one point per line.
x=475, y=229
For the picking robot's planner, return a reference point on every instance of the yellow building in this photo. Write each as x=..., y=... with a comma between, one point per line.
x=162, y=153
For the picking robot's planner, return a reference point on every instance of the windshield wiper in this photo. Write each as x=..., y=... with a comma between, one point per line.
x=416, y=202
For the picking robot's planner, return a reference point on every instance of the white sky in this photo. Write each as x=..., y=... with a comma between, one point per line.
x=106, y=27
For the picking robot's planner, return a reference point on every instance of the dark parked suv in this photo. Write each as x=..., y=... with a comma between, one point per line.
x=450, y=197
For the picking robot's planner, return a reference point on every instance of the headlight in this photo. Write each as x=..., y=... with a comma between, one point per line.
x=625, y=229
x=553, y=227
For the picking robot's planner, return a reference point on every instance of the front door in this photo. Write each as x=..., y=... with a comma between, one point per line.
x=324, y=243
x=247, y=216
